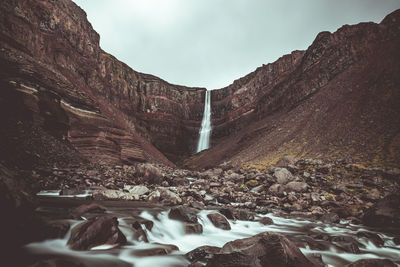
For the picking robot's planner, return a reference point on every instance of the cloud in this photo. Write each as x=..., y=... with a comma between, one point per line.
x=210, y=43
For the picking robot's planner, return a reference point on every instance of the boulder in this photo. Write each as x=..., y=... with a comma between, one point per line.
x=373, y=194
x=330, y=218
x=113, y=194
x=264, y=249
x=258, y=189
x=193, y=228
x=385, y=213
x=164, y=196
x=149, y=173
x=168, y=247
x=282, y=175
x=180, y=181
x=210, y=174
x=266, y=221
x=89, y=208
x=235, y=177
x=137, y=224
x=228, y=213
x=184, y=214
x=95, y=232
x=140, y=235
x=219, y=221
x=244, y=215
x=168, y=197
x=296, y=187
x=286, y=161
x=154, y=196
x=372, y=263
x=197, y=205
x=137, y=189
x=202, y=253
x=209, y=198
x=276, y=189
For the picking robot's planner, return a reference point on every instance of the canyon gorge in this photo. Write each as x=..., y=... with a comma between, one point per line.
x=76, y=119
x=54, y=67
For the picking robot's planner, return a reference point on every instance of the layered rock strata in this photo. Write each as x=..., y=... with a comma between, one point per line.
x=55, y=71
x=338, y=99
x=50, y=54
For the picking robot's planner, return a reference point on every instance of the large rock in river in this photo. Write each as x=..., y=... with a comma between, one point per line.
x=96, y=232
x=184, y=214
x=262, y=250
x=219, y=221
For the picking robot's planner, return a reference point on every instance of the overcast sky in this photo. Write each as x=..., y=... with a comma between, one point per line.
x=210, y=43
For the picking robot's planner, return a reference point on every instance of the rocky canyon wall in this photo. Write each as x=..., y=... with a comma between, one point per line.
x=234, y=106
x=53, y=50
x=57, y=78
x=50, y=54
x=338, y=99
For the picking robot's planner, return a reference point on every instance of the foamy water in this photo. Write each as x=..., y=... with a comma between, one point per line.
x=167, y=231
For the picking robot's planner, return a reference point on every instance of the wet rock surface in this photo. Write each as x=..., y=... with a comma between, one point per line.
x=96, y=232
x=202, y=254
x=219, y=221
x=265, y=249
x=183, y=214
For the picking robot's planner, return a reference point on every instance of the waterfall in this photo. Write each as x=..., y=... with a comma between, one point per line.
x=205, y=130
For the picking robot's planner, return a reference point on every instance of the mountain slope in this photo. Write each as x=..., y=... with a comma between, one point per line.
x=341, y=101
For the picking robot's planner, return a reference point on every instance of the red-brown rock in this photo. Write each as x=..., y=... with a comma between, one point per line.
x=261, y=250
x=95, y=232
x=219, y=221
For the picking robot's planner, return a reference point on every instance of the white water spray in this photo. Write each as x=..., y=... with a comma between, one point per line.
x=205, y=130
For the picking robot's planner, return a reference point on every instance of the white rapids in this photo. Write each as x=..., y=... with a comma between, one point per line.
x=205, y=130
x=168, y=231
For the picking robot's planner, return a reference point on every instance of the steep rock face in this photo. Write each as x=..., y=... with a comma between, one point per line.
x=50, y=54
x=340, y=99
x=234, y=106
x=317, y=102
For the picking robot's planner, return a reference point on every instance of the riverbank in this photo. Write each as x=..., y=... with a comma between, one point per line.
x=332, y=212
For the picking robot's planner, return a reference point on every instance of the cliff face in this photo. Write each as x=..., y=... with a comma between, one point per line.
x=52, y=66
x=339, y=99
x=61, y=93
x=234, y=106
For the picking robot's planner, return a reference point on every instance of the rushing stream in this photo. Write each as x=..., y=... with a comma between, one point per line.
x=168, y=231
x=205, y=130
